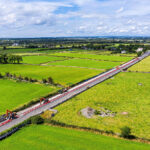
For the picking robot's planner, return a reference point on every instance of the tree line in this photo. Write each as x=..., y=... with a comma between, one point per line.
x=10, y=59
x=130, y=48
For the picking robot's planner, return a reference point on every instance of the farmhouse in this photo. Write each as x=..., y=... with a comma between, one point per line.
x=123, y=52
x=139, y=50
x=15, y=44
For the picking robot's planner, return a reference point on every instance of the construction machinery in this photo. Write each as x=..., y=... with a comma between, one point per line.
x=11, y=115
x=64, y=90
x=43, y=100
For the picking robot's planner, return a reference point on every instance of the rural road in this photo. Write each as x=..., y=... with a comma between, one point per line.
x=60, y=98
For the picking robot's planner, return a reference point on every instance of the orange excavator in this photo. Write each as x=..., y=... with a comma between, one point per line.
x=10, y=114
x=44, y=100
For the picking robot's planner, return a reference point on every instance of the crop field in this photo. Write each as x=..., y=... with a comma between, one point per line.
x=102, y=52
x=93, y=56
x=40, y=59
x=126, y=92
x=143, y=66
x=87, y=63
x=14, y=94
x=62, y=75
x=42, y=137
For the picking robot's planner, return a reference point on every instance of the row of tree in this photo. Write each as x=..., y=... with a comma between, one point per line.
x=10, y=59
x=27, y=79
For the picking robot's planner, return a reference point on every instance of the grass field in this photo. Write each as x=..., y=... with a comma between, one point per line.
x=143, y=66
x=44, y=137
x=40, y=59
x=103, y=52
x=14, y=94
x=61, y=75
x=126, y=92
x=93, y=56
x=87, y=63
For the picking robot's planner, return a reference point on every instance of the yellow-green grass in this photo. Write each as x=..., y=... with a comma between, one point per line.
x=102, y=52
x=42, y=137
x=126, y=92
x=40, y=59
x=87, y=63
x=62, y=75
x=143, y=66
x=94, y=56
x=15, y=94
x=28, y=54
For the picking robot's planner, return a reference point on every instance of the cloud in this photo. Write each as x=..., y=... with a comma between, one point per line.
x=16, y=13
x=74, y=17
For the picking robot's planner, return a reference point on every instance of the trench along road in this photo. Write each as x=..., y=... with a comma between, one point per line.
x=60, y=98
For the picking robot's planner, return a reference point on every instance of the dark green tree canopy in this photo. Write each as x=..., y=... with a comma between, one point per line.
x=10, y=59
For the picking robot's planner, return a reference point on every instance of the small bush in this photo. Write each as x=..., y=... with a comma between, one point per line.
x=37, y=120
x=97, y=112
x=125, y=132
x=50, y=80
x=44, y=81
x=27, y=122
x=31, y=80
x=20, y=78
x=31, y=103
x=26, y=78
x=14, y=76
x=109, y=132
x=1, y=75
x=7, y=74
x=139, y=53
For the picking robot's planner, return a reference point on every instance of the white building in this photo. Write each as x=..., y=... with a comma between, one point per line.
x=139, y=50
x=15, y=44
x=123, y=52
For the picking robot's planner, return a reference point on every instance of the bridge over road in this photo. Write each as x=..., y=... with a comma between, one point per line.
x=60, y=98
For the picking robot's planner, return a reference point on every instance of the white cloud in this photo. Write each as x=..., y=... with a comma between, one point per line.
x=89, y=17
x=26, y=13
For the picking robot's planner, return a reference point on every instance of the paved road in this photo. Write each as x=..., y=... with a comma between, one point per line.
x=60, y=98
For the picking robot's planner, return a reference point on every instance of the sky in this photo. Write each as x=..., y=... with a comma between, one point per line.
x=62, y=18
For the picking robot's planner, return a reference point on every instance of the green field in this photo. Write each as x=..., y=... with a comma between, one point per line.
x=44, y=137
x=61, y=75
x=14, y=94
x=126, y=92
x=87, y=63
x=94, y=56
x=143, y=66
x=40, y=59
